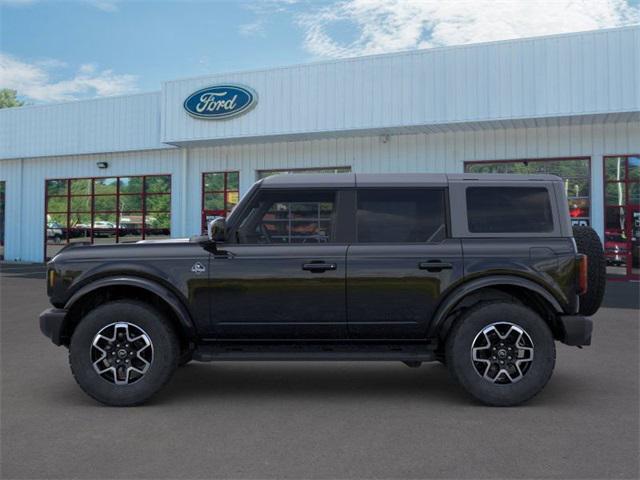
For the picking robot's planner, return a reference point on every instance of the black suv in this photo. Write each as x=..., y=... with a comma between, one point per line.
x=480, y=272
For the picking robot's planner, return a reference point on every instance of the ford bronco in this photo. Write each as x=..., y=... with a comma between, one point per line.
x=480, y=272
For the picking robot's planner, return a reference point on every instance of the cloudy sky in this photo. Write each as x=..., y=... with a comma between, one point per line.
x=64, y=50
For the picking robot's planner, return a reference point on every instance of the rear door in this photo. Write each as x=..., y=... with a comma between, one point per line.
x=401, y=262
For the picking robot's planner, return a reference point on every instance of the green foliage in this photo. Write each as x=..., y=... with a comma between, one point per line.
x=8, y=98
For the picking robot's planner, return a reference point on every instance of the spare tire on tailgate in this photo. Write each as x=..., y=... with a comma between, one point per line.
x=589, y=244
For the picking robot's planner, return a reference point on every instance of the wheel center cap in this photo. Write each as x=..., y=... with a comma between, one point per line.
x=502, y=353
x=122, y=353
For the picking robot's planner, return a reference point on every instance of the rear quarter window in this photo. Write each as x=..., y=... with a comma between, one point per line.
x=509, y=210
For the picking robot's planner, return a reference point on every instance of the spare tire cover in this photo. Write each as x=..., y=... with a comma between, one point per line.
x=589, y=244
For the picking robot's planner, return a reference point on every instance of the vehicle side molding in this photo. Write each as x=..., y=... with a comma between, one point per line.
x=454, y=297
x=182, y=314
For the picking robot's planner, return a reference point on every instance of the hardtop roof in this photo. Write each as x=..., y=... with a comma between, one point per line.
x=345, y=180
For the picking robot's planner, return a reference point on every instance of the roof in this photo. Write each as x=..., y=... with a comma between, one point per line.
x=346, y=180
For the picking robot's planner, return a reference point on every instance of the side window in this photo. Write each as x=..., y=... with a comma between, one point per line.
x=509, y=210
x=401, y=216
x=293, y=216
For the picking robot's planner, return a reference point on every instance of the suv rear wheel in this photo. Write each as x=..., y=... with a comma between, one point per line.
x=503, y=354
x=123, y=352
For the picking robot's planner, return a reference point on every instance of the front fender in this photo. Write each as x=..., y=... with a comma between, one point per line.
x=182, y=314
x=454, y=297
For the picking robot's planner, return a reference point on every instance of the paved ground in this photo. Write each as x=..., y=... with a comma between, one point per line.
x=342, y=420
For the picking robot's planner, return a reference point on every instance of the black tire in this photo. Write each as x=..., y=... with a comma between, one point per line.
x=165, y=352
x=463, y=369
x=589, y=244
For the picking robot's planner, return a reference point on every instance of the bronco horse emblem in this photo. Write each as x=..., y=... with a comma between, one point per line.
x=198, y=268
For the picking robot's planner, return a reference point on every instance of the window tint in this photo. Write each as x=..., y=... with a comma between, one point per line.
x=401, y=216
x=575, y=173
x=290, y=217
x=509, y=210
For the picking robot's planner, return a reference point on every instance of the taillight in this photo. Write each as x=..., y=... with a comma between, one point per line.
x=582, y=274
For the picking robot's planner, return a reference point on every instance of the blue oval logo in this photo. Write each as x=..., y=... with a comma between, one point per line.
x=220, y=101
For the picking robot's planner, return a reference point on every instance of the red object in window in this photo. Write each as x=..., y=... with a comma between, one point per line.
x=577, y=212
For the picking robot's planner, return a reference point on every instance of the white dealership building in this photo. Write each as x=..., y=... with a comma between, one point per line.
x=156, y=164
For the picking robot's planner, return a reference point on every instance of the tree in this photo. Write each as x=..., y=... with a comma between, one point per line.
x=8, y=98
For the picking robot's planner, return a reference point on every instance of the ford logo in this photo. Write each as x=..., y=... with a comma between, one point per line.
x=220, y=101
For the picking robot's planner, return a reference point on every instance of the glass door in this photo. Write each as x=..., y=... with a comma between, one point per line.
x=622, y=216
x=2, y=220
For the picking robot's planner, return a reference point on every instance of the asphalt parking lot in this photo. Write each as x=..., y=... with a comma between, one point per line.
x=322, y=420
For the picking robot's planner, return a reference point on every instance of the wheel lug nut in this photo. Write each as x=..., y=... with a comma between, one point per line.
x=117, y=361
x=113, y=353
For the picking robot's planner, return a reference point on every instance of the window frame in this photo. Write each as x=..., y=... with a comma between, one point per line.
x=588, y=159
x=459, y=217
x=447, y=216
x=627, y=209
x=342, y=212
x=66, y=239
x=203, y=194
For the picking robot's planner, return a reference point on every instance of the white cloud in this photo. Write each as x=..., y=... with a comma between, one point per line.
x=252, y=28
x=35, y=82
x=104, y=5
x=391, y=25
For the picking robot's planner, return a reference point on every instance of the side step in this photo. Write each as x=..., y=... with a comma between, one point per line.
x=299, y=351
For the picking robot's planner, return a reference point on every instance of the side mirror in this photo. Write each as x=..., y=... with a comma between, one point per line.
x=216, y=229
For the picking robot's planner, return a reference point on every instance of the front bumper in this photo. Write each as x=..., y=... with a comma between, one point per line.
x=52, y=324
x=576, y=330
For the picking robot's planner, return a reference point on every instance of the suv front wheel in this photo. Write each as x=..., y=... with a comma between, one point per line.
x=123, y=352
x=503, y=354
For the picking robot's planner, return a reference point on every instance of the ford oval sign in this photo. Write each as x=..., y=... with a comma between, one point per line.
x=220, y=102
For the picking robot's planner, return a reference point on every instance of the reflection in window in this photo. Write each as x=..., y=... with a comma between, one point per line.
x=401, y=216
x=2, y=187
x=220, y=194
x=106, y=210
x=622, y=215
x=268, y=173
x=290, y=217
x=574, y=172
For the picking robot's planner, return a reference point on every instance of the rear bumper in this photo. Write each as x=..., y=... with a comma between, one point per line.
x=576, y=330
x=52, y=323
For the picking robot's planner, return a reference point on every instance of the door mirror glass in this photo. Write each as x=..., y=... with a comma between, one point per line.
x=216, y=229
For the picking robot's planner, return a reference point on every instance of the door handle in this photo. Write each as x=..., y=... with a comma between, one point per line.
x=434, y=266
x=319, y=267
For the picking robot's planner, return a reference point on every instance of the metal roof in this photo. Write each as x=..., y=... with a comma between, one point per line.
x=346, y=180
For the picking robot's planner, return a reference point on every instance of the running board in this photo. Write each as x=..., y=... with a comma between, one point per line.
x=234, y=351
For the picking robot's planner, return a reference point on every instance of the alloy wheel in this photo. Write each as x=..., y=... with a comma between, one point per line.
x=502, y=353
x=121, y=353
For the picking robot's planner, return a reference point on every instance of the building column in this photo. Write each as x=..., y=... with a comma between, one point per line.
x=597, y=195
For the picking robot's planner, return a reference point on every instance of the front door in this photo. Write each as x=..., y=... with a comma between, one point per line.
x=401, y=263
x=285, y=276
x=622, y=216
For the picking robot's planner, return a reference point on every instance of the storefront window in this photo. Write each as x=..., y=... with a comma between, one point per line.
x=2, y=187
x=268, y=173
x=622, y=215
x=106, y=210
x=220, y=193
x=574, y=171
